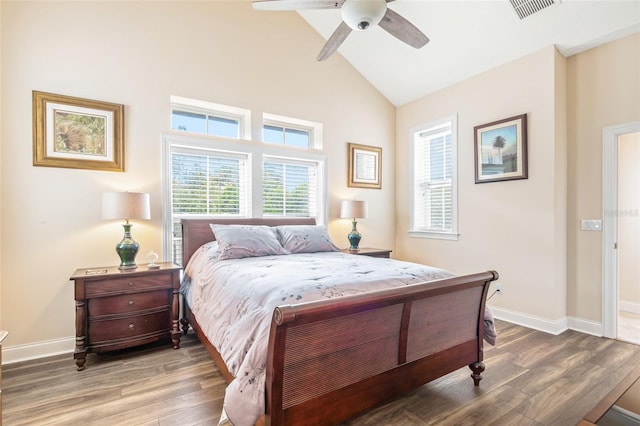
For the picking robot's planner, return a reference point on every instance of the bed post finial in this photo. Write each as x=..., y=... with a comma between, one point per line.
x=283, y=314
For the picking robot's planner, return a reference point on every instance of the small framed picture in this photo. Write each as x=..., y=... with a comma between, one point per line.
x=77, y=133
x=365, y=166
x=501, y=150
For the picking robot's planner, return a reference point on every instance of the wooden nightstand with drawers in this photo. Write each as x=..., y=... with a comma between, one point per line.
x=117, y=309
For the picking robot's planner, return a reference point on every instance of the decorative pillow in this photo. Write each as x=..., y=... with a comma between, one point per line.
x=305, y=238
x=238, y=241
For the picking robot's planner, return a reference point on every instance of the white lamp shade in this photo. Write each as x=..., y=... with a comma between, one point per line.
x=362, y=14
x=125, y=205
x=354, y=209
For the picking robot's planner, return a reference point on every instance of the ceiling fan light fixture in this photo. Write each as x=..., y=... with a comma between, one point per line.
x=363, y=14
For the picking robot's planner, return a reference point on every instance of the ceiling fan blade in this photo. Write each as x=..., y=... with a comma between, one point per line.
x=336, y=39
x=403, y=30
x=296, y=4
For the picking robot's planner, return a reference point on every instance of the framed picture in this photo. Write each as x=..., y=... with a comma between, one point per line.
x=77, y=133
x=501, y=150
x=365, y=166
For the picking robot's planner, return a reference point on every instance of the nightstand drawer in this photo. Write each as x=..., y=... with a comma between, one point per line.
x=127, y=303
x=130, y=284
x=100, y=331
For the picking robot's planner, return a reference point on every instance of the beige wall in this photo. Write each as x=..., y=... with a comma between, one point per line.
x=629, y=221
x=138, y=54
x=511, y=226
x=603, y=91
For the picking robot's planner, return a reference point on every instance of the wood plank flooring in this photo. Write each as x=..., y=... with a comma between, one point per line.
x=532, y=378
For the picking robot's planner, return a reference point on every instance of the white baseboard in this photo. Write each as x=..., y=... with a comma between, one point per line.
x=47, y=348
x=632, y=307
x=542, y=324
x=548, y=326
x=586, y=326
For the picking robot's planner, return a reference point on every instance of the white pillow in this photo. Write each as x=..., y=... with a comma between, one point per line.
x=305, y=238
x=239, y=241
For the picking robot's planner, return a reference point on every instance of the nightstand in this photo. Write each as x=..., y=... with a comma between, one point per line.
x=117, y=309
x=371, y=252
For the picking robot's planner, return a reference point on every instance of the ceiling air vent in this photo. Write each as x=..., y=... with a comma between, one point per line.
x=526, y=8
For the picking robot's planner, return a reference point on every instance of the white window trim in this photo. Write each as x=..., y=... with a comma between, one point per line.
x=437, y=235
x=314, y=129
x=218, y=110
x=257, y=151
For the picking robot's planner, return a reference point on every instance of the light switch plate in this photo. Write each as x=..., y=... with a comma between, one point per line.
x=591, y=225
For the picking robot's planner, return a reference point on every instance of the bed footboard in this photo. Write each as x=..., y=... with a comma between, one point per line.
x=329, y=360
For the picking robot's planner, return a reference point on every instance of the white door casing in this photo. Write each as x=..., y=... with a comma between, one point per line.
x=610, y=137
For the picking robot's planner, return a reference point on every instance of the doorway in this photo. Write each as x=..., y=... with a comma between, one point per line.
x=621, y=232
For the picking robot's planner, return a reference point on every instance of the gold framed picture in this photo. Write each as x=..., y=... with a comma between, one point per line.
x=77, y=133
x=365, y=166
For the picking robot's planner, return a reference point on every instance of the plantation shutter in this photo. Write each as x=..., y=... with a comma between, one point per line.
x=289, y=187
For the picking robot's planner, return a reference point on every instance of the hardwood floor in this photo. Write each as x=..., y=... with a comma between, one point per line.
x=532, y=378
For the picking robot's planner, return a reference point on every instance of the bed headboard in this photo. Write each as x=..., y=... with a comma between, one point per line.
x=196, y=232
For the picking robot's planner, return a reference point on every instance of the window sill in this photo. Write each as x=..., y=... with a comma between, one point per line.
x=435, y=235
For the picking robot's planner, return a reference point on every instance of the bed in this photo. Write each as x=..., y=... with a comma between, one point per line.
x=331, y=358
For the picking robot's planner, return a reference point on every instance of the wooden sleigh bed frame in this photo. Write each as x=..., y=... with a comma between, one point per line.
x=332, y=359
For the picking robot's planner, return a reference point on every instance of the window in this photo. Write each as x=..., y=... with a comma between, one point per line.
x=203, y=123
x=289, y=131
x=289, y=187
x=204, y=181
x=285, y=136
x=209, y=175
x=434, y=210
x=192, y=115
x=209, y=183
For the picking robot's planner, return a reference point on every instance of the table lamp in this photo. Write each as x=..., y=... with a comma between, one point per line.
x=354, y=209
x=126, y=205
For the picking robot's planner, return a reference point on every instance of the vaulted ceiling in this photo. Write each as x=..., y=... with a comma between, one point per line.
x=471, y=36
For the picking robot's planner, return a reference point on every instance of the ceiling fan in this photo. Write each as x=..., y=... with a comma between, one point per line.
x=357, y=15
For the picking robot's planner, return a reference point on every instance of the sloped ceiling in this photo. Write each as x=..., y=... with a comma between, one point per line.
x=469, y=37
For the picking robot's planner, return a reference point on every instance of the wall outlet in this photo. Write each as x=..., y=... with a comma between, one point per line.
x=499, y=289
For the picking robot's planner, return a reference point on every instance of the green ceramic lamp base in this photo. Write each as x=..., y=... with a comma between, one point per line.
x=354, y=237
x=127, y=249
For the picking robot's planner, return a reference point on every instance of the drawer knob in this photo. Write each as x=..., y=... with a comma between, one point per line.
x=131, y=326
x=130, y=283
x=131, y=302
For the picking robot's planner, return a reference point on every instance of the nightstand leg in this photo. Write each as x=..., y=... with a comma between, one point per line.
x=80, y=352
x=81, y=359
x=175, y=323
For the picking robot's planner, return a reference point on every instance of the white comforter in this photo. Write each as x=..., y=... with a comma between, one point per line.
x=233, y=301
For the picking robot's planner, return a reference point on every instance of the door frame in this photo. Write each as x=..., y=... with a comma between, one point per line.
x=610, y=137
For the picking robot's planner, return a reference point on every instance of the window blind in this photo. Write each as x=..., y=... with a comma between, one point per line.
x=289, y=187
x=433, y=204
x=206, y=183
